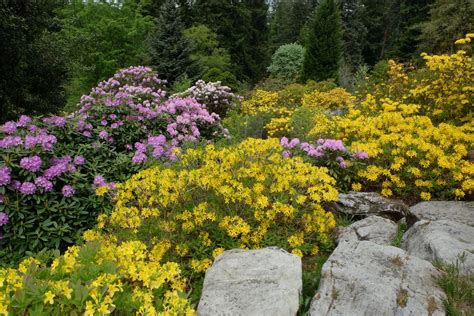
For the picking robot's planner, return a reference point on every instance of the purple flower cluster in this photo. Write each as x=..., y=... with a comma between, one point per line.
x=32, y=163
x=3, y=218
x=321, y=149
x=55, y=121
x=68, y=191
x=5, y=175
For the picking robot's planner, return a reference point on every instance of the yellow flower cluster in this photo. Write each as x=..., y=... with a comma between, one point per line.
x=168, y=225
x=335, y=98
x=450, y=94
x=240, y=193
x=409, y=154
x=97, y=279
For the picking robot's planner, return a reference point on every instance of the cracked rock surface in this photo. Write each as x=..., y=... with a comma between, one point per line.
x=364, y=278
x=373, y=228
x=443, y=240
x=457, y=211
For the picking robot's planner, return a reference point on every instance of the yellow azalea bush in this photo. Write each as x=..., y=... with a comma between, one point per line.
x=335, y=98
x=417, y=128
x=409, y=154
x=96, y=279
x=167, y=226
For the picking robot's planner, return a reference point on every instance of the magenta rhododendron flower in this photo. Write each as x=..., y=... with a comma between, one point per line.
x=43, y=183
x=5, y=175
x=79, y=160
x=9, y=127
x=68, y=191
x=28, y=188
x=3, y=218
x=32, y=163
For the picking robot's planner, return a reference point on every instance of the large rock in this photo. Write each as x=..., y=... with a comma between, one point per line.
x=458, y=211
x=441, y=240
x=364, y=278
x=363, y=204
x=252, y=282
x=373, y=228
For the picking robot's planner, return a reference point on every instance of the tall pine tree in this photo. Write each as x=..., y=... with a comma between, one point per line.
x=324, y=50
x=354, y=33
x=169, y=49
x=241, y=29
x=449, y=20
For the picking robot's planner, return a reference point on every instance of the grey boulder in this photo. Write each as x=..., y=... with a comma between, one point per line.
x=442, y=240
x=252, y=282
x=362, y=278
x=363, y=204
x=373, y=228
x=458, y=211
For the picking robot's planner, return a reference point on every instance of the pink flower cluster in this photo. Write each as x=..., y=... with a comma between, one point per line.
x=322, y=149
x=137, y=98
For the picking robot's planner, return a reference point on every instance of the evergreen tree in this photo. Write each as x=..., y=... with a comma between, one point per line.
x=412, y=14
x=241, y=29
x=33, y=66
x=287, y=20
x=449, y=20
x=170, y=50
x=382, y=20
x=257, y=39
x=324, y=50
x=354, y=33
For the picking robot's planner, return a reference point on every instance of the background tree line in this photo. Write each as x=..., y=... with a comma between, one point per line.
x=53, y=51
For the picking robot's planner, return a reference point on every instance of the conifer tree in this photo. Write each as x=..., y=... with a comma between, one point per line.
x=354, y=33
x=170, y=51
x=449, y=20
x=324, y=50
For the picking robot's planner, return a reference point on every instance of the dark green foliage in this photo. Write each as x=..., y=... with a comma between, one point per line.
x=214, y=62
x=32, y=66
x=99, y=39
x=354, y=33
x=382, y=20
x=412, y=13
x=287, y=20
x=324, y=50
x=241, y=29
x=170, y=51
x=449, y=20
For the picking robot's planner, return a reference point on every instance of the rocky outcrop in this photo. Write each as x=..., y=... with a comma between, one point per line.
x=364, y=278
x=458, y=211
x=373, y=228
x=442, y=240
x=363, y=204
x=252, y=282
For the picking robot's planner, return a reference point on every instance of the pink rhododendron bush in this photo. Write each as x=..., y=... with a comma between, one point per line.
x=52, y=167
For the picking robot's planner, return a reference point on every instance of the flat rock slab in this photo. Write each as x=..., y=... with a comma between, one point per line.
x=442, y=240
x=252, y=282
x=458, y=211
x=373, y=228
x=367, y=279
x=363, y=204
